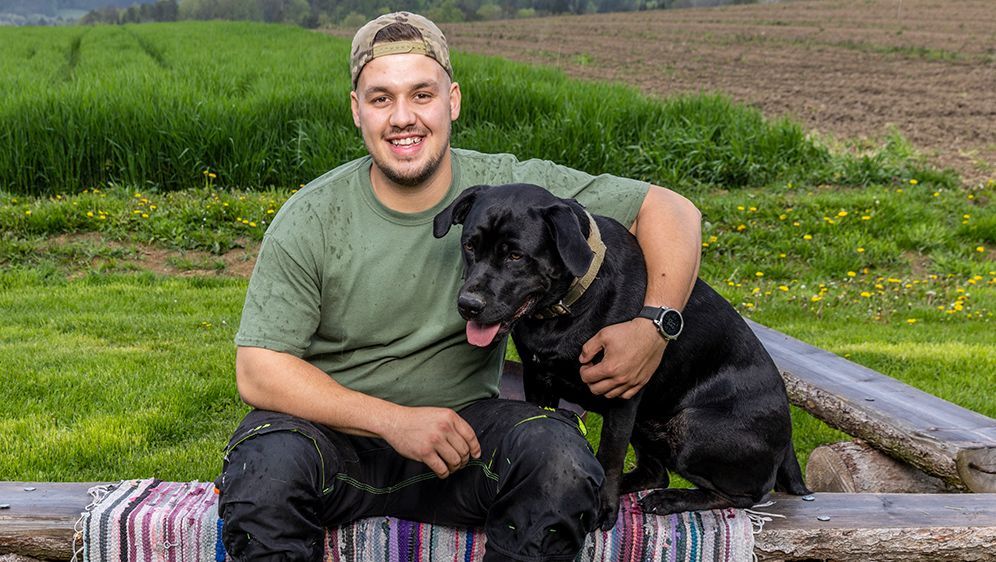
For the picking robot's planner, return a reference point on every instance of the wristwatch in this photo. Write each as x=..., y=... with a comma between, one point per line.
x=668, y=321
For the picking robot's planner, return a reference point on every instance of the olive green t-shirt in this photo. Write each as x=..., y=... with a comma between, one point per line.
x=368, y=295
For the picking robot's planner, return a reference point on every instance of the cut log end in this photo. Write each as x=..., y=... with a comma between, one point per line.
x=854, y=466
x=977, y=468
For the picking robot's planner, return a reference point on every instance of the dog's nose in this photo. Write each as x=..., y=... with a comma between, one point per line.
x=470, y=305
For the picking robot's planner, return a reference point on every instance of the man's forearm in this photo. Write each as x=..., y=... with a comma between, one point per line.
x=669, y=230
x=283, y=383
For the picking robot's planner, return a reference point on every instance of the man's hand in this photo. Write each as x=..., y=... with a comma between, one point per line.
x=437, y=437
x=633, y=350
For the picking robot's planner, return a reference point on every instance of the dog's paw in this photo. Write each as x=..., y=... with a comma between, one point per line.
x=656, y=503
x=609, y=512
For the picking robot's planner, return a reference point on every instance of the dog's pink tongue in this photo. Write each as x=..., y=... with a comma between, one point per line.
x=481, y=335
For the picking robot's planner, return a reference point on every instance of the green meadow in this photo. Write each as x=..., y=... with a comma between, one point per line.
x=187, y=138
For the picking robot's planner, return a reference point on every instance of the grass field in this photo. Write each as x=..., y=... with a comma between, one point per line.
x=120, y=296
x=156, y=105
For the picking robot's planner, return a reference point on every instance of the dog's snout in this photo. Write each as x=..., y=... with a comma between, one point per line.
x=470, y=305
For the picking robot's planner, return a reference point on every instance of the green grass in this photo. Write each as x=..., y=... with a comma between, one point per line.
x=157, y=105
x=129, y=374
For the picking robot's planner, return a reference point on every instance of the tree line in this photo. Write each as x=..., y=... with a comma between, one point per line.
x=354, y=13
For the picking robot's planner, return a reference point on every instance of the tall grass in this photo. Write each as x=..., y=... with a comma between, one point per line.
x=156, y=105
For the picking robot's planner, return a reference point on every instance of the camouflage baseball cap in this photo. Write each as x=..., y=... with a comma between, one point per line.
x=432, y=44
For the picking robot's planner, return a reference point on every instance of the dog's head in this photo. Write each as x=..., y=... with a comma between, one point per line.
x=522, y=247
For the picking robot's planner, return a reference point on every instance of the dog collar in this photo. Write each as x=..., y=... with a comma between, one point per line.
x=580, y=284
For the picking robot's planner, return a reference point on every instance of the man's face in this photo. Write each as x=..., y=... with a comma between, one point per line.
x=404, y=105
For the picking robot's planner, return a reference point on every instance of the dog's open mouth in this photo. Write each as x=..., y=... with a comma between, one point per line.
x=483, y=335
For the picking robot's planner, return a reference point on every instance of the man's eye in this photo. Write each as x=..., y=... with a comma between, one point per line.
x=514, y=256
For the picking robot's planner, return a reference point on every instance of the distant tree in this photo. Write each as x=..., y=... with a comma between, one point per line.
x=522, y=13
x=354, y=20
x=445, y=11
x=489, y=11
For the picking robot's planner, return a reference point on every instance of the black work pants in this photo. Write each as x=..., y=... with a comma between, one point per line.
x=534, y=490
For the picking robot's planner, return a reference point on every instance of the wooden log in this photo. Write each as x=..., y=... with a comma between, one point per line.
x=881, y=527
x=856, y=467
x=942, y=439
x=39, y=523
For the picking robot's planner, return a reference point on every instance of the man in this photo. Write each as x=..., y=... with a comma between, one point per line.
x=369, y=401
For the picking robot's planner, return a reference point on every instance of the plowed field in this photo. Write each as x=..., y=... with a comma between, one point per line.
x=853, y=69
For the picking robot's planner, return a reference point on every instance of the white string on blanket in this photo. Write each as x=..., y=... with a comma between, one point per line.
x=97, y=495
x=759, y=518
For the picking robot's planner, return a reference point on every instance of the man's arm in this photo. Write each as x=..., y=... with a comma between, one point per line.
x=669, y=230
x=281, y=382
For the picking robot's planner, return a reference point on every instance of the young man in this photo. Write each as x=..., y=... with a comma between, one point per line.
x=369, y=401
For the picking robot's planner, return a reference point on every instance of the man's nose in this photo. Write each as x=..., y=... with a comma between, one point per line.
x=402, y=116
x=470, y=305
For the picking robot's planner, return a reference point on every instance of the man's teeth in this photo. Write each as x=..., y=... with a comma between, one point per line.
x=407, y=141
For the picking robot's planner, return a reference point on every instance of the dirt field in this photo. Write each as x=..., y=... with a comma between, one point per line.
x=850, y=68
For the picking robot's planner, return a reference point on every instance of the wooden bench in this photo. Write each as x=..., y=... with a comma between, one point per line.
x=942, y=439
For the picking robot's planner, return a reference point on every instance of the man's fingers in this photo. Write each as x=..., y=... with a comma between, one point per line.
x=436, y=464
x=591, y=348
x=470, y=438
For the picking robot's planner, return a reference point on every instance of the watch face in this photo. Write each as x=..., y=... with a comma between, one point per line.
x=671, y=323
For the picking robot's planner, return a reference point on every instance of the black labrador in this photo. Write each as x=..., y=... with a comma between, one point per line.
x=715, y=411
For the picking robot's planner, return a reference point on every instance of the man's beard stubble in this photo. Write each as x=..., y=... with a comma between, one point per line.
x=420, y=175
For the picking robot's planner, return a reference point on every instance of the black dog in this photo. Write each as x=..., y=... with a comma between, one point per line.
x=715, y=411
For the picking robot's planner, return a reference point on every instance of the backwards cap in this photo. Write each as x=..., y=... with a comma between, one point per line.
x=432, y=44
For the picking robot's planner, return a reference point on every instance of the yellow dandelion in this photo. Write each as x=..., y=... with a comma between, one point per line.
x=752, y=209
x=979, y=249
x=807, y=237
x=741, y=227
x=860, y=250
x=911, y=320
x=816, y=298
x=852, y=274
x=749, y=304
x=730, y=283
x=89, y=214
x=865, y=294
x=783, y=288
x=937, y=194
x=759, y=274
x=866, y=217
x=842, y=214
x=740, y=207
x=28, y=212
x=252, y=224
x=796, y=223
x=914, y=182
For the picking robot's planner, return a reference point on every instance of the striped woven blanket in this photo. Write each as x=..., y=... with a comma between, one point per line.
x=150, y=520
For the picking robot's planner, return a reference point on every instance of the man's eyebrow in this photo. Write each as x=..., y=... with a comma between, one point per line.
x=425, y=85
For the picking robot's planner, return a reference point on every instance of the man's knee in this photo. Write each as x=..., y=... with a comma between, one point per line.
x=554, y=453
x=270, y=501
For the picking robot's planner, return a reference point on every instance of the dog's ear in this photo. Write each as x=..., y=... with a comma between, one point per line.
x=455, y=212
x=571, y=242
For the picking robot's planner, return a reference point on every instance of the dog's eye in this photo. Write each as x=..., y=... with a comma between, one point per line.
x=514, y=256
x=468, y=246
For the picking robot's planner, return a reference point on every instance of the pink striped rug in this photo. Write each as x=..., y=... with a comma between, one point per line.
x=150, y=520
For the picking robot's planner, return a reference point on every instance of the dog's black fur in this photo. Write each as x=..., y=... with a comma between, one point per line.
x=715, y=411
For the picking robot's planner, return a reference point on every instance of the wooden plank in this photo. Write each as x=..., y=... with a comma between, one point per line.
x=39, y=523
x=882, y=527
x=932, y=434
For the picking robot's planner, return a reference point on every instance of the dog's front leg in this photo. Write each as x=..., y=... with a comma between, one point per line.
x=617, y=427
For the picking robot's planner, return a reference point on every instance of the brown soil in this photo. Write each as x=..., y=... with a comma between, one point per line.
x=854, y=69
x=237, y=262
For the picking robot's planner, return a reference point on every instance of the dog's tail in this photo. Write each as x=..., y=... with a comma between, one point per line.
x=789, y=477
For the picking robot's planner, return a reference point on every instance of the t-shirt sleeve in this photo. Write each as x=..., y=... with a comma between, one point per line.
x=283, y=304
x=612, y=196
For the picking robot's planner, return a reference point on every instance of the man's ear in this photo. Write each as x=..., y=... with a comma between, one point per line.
x=354, y=103
x=455, y=212
x=455, y=98
x=571, y=242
